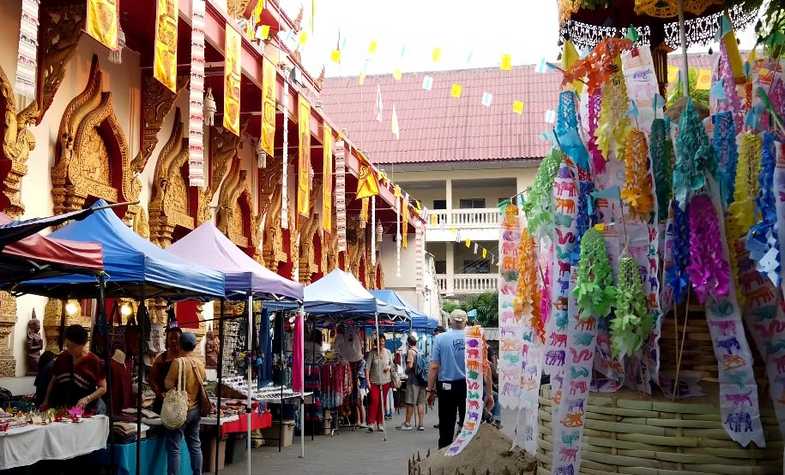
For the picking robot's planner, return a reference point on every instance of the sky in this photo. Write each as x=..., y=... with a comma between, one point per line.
x=470, y=34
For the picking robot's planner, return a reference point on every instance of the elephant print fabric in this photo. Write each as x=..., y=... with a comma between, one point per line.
x=511, y=356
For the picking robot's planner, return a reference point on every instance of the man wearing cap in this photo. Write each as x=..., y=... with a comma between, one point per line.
x=447, y=377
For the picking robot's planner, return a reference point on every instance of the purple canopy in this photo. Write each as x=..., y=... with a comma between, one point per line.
x=207, y=246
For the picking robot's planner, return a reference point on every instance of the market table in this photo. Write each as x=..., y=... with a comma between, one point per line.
x=27, y=445
x=153, y=457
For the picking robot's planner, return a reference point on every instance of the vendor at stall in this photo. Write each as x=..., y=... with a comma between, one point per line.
x=161, y=365
x=78, y=377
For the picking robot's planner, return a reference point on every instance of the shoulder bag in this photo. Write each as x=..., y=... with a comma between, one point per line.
x=205, y=405
x=175, y=407
x=395, y=378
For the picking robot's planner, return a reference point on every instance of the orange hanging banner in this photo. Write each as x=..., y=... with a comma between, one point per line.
x=165, y=57
x=304, y=156
x=232, y=78
x=103, y=21
x=269, y=86
x=327, y=179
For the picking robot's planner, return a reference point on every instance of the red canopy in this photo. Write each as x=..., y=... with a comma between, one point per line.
x=44, y=250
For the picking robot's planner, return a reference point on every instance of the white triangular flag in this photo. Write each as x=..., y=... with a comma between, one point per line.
x=379, y=105
x=395, y=129
x=550, y=116
x=427, y=83
x=475, y=248
x=487, y=99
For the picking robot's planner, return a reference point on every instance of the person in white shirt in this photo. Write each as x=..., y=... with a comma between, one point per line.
x=349, y=346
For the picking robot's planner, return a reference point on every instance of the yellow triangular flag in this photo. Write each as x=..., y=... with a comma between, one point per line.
x=506, y=64
x=302, y=37
x=468, y=243
x=264, y=32
x=397, y=74
x=484, y=253
x=436, y=55
x=335, y=56
x=517, y=107
x=569, y=57
x=456, y=90
x=372, y=47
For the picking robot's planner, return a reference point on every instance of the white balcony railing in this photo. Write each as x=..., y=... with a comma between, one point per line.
x=466, y=218
x=458, y=284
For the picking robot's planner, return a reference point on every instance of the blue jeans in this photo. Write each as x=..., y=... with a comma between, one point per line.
x=191, y=432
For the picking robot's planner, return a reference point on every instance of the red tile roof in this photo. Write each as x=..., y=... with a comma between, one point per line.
x=434, y=127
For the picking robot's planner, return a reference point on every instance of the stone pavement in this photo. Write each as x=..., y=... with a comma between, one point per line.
x=346, y=453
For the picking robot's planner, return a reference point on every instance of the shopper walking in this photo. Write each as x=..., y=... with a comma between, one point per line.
x=193, y=377
x=415, y=388
x=447, y=377
x=378, y=367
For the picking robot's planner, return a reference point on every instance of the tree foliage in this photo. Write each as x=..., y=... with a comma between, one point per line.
x=486, y=304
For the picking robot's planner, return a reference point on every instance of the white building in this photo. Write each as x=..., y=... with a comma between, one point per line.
x=459, y=156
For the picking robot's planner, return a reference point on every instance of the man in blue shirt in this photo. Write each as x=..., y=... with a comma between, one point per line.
x=447, y=377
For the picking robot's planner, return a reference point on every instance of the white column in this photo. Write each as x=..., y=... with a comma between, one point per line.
x=448, y=199
x=450, y=265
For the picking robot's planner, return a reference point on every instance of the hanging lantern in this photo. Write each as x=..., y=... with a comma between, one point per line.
x=116, y=55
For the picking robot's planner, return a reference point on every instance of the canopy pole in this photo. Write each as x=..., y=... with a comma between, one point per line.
x=102, y=322
x=302, y=382
x=249, y=402
x=685, y=80
x=220, y=382
x=382, y=399
x=139, y=384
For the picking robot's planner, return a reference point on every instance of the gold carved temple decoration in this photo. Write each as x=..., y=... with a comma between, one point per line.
x=223, y=147
x=170, y=205
x=91, y=160
x=235, y=207
x=308, y=228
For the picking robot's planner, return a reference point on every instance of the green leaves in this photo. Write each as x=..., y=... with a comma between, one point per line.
x=632, y=321
x=594, y=290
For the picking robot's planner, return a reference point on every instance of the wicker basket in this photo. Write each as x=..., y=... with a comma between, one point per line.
x=635, y=434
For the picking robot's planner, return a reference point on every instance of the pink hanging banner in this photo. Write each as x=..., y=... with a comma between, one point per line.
x=297, y=356
x=474, y=356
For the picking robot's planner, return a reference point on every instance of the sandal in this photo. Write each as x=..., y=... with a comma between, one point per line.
x=420, y=428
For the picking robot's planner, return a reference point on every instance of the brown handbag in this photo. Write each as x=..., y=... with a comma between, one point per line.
x=205, y=405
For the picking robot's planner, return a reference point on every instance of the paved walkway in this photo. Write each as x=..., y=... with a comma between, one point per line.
x=349, y=453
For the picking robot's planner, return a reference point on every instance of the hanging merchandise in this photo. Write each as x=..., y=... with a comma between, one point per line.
x=269, y=87
x=165, y=51
x=373, y=231
x=637, y=191
x=661, y=153
x=708, y=270
x=103, y=21
x=232, y=80
x=724, y=143
x=419, y=257
x=614, y=123
x=196, y=104
x=566, y=130
x=285, y=161
x=694, y=156
x=27, y=54
x=731, y=101
x=327, y=179
x=510, y=330
x=340, y=194
x=594, y=290
x=642, y=88
x=476, y=361
x=632, y=322
x=405, y=223
x=594, y=106
x=303, y=156
x=762, y=239
x=678, y=250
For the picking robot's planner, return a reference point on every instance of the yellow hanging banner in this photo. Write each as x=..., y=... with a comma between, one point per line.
x=364, y=212
x=103, y=21
x=367, y=183
x=405, y=225
x=303, y=156
x=257, y=12
x=232, y=75
x=327, y=179
x=704, y=79
x=165, y=57
x=269, y=92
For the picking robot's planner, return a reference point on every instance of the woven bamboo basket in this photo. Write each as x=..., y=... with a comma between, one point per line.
x=631, y=433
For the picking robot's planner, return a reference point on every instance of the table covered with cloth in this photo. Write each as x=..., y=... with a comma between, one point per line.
x=27, y=445
x=153, y=457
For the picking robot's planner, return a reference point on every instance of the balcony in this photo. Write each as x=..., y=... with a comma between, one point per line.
x=477, y=224
x=466, y=284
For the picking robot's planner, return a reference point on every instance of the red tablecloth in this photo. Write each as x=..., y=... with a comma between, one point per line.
x=258, y=421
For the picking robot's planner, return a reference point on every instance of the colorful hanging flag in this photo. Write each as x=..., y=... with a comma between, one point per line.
x=379, y=104
x=196, y=97
x=405, y=236
x=395, y=130
x=340, y=194
x=269, y=86
x=335, y=56
x=704, y=79
x=302, y=37
x=419, y=258
x=232, y=78
x=436, y=55
x=487, y=99
x=373, y=231
x=327, y=179
x=165, y=55
x=569, y=57
x=506, y=62
x=367, y=182
x=397, y=74
x=484, y=253
x=475, y=361
x=27, y=54
x=372, y=47
x=517, y=107
x=475, y=248
x=456, y=90
x=285, y=161
x=364, y=205
x=728, y=38
x=468, y=243
x=103, y=21
x=550, y=116
x=427, y=83
x=256, y=16
x=264, y=32
x=304, y=156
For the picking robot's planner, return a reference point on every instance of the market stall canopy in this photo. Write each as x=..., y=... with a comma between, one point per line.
x=338, y=293
x=419, y=320
x=207, y=246
x=12, y=231
x=37, y=255
x=134, y=266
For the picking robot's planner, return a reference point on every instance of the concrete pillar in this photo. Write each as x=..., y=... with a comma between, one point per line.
x=448, y=198
x=450, y=265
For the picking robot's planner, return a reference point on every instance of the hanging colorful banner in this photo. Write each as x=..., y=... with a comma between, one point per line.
x=327, y=179
x=510, y=328
x=642, y=85
x=269, y=86
x=373, y=231
x=165, y=52
x=419, y=257
x=103, y=21
x=474, y=356
x=340, y=194
x=232, y=79
x=196, y=97
x=27, y=54
x=364, y=213
x=397, y=194
x=367, y=182
x=303, y=156
x=285, y=163
x=405, y=230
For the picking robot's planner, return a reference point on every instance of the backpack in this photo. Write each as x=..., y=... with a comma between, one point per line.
x=175, y=407
x=421, y=368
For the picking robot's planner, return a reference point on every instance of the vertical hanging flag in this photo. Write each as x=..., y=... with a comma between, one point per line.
x=327, y=179
x=340, y=194
x=103, y=21
x=456, y=90
x=335, y=56
x=264, y=32
x=484, y=253
x=397, y=193
x=373, y=230
x=367, y=182
x=427, y=83
x=728, y=38
x=27, y=54
x=468, y=243
x=372, y=46
x=506, y=62
x=436, y=55
x=397, y=74
x=232, y=75
x=405, y=231
x=475, y=248
x=487, y=99
x=256, y=16
x=517, y=107
x=475, y=361
x=568, y=59
x=269, y=85
x=419, y=257
x=303, y=156
x=196, y=97
x=395, y=130
x=165, y=52
x=379, y=105
x=285, y=161
x=364, y=213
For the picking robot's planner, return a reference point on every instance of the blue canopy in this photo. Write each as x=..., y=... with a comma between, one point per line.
x=134, y=266
x=419, y=321
x=339, y=293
